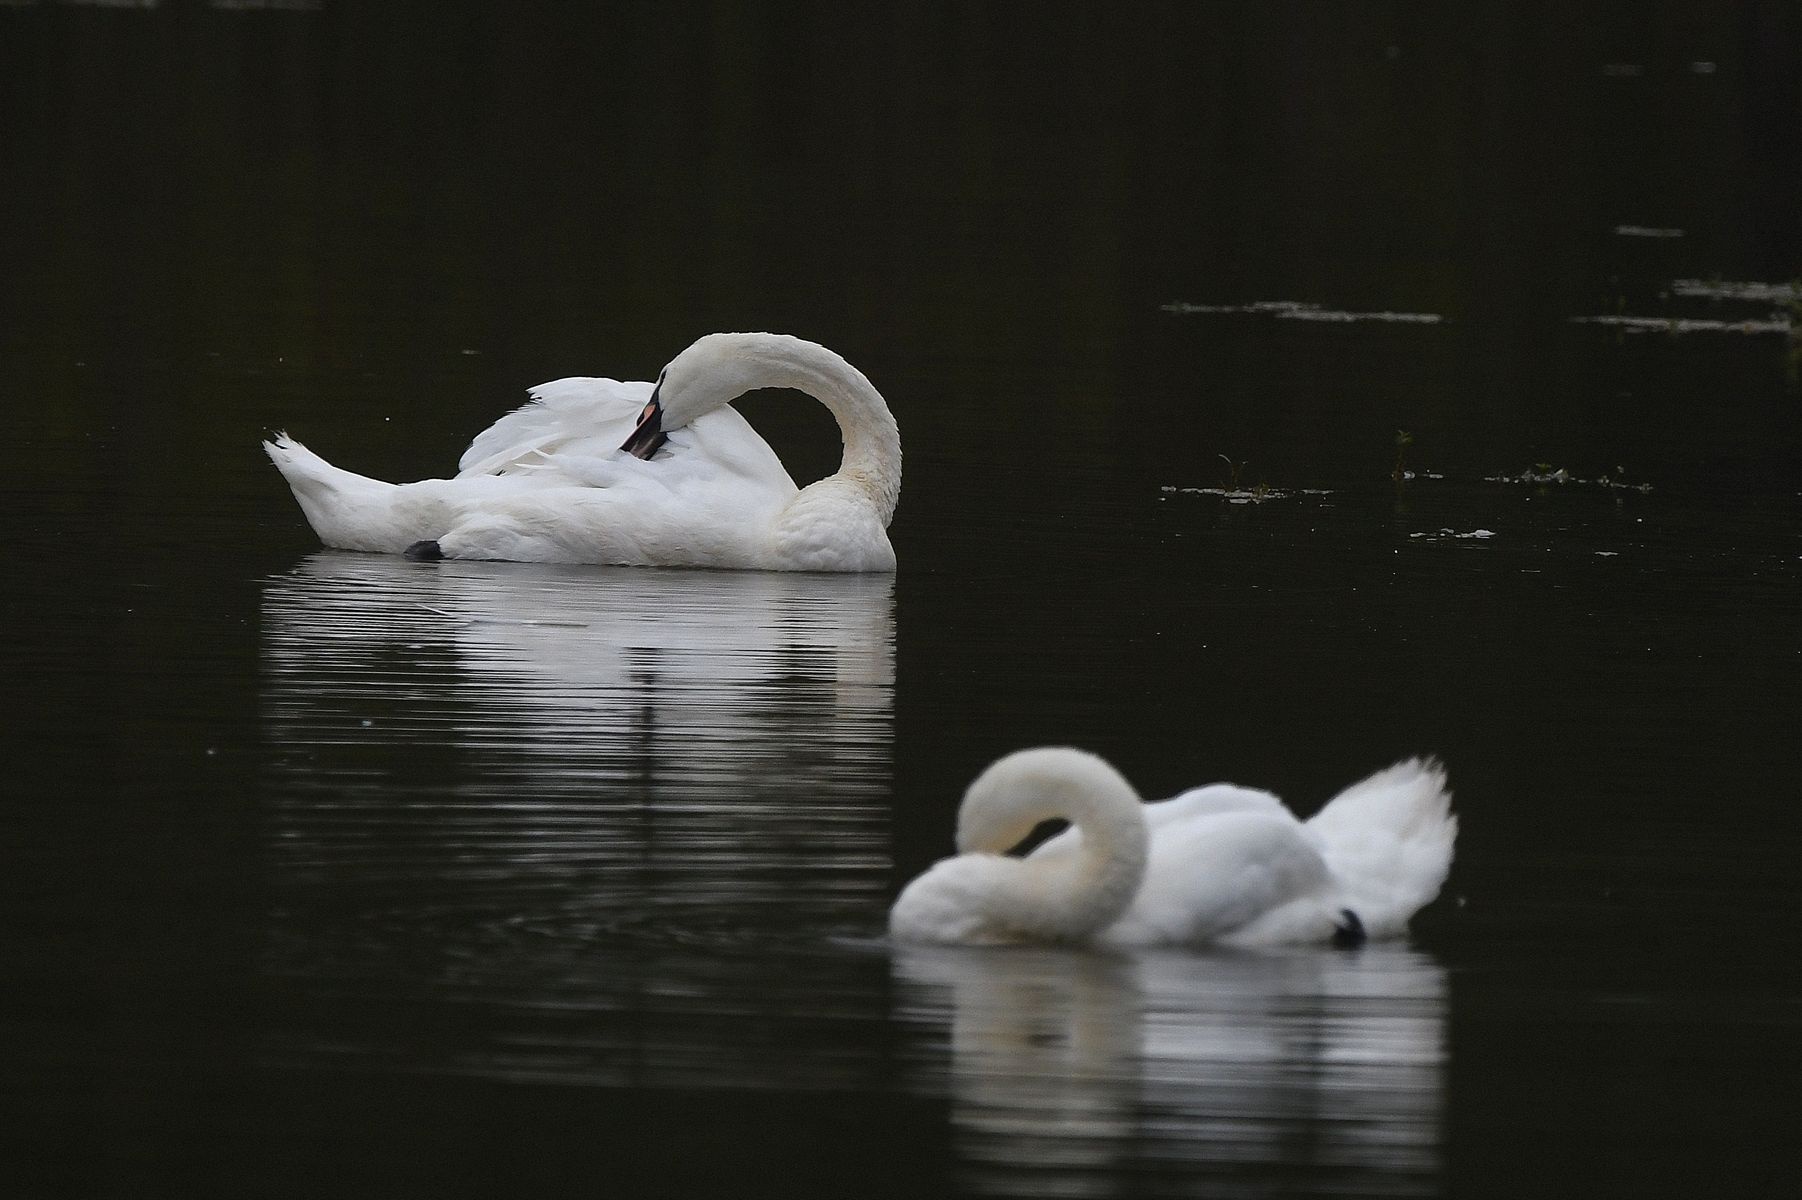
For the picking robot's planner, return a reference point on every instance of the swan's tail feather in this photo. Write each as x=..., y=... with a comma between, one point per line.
x=314, y=480
x=1389, y=840
x=306, y=471
x=345, y=509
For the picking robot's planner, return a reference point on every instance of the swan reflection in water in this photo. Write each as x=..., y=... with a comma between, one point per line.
x=514, y=784
x=1073, y=1072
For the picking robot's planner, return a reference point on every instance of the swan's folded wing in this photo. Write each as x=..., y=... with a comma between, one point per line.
x=1217, y=875
x=559, y=412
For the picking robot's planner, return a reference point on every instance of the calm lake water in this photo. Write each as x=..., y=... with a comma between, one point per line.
x=327, y=873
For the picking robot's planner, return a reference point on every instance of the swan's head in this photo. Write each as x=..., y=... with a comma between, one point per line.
x=710, y=374
x=1009, y=799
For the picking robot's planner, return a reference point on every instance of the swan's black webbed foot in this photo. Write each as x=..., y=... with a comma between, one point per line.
x=1349, y=932
x=424, y=552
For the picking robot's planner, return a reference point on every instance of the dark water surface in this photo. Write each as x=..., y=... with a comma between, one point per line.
x=326, y=873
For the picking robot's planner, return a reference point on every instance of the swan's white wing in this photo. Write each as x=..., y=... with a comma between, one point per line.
x=562, y=413
x=1238, y=876
x=571, y=432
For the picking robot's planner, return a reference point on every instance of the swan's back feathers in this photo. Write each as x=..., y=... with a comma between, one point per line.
x=1389, y=839
x=1212, y=800
x=1245, y=876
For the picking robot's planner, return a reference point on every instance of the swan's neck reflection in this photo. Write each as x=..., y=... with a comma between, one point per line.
x=1067, y=1069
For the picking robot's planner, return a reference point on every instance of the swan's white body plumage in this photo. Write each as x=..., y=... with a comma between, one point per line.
x=1216, y=865
x=549, y=482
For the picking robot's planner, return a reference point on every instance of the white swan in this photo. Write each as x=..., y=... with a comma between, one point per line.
x=638, y=474
x=1219, y=864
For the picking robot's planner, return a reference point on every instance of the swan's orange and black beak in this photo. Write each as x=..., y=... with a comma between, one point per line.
x=647, y=436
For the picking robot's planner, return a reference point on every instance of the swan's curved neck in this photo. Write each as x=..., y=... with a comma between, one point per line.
x=872, y=458
x=1071, y=896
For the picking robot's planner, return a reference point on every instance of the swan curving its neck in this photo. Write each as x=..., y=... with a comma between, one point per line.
x=721, y=367
x=872, y=441
x=1067, y=897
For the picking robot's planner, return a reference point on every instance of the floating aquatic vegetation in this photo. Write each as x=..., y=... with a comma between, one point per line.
x=1238, y=495
x=1677, y=325
x=1543, y=473
x=1646, y=231
x=1751, y=291
x=1403, y=439
x=1400, y=318
x=1235, y=492
x=1298, y=310
x=1234, y=469
x=1453, y=535
x=1787, y=295
x=272, y=5
x=1619, y=70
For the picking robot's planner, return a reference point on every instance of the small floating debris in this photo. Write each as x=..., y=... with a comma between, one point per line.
x=1450, y=534
x=1751, y=291
x=1257, y=495
x=1646, y=231
x=1298, y=310
x=1701, y=68
x=1679, y=325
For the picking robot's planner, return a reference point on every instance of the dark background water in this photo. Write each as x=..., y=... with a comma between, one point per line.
x=327, y=872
